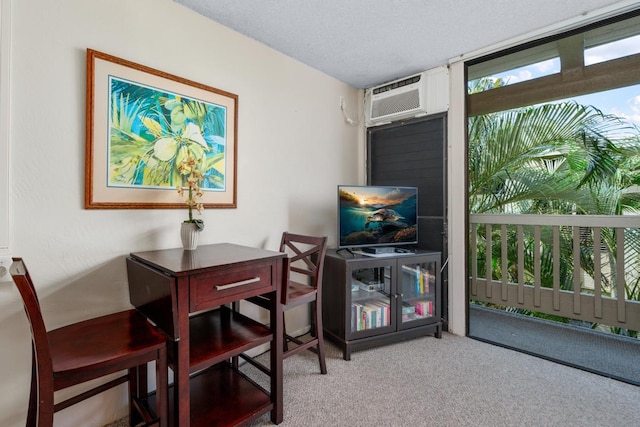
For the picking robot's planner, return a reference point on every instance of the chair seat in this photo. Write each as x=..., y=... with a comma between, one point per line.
x=101, y=343
x=300, y=293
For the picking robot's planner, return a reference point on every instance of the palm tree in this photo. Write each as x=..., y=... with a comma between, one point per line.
x=562, y=158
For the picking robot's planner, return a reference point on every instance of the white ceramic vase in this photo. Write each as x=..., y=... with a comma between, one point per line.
x=189, y=234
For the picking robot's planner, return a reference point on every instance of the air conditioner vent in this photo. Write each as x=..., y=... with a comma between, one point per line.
x=420, y=94
x=397, y=84
x=396, y=104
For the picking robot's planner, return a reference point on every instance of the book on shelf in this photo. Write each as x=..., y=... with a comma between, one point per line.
x=383, y=312
x=424, y=308
x=372, y=314
x=356, y=316
x=421, y=279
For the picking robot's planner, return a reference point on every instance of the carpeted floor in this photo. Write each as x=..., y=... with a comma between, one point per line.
x=120, y=423
x=454, y=381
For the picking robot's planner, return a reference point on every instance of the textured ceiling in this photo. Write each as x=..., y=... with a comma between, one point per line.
x=367, y=42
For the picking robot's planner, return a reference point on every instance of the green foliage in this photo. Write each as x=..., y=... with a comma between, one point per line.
x=550, y=155
x=561, y=158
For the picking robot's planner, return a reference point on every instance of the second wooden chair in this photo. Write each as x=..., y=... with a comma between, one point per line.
x=301, y=284
x=88, y=350
x=304, y=286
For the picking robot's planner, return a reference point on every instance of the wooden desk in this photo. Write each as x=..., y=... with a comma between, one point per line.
x=184, y=293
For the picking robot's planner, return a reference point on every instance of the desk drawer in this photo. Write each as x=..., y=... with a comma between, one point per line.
x=210, y=290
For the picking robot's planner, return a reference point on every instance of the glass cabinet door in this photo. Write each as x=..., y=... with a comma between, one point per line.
x=370, y=299
x=417, y=291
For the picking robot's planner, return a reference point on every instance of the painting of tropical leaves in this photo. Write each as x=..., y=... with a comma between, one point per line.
x=152, y=130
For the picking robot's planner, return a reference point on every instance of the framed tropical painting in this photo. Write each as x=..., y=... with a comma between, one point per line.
x=144, y=126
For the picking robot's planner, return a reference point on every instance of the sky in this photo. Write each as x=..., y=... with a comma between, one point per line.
x=623, y=102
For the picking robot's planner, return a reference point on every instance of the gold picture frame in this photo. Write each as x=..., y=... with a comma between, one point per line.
x=139, y=121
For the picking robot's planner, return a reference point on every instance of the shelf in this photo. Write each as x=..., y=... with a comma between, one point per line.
x=413, y=317
x=222, y=385
x=416, y=298
x=219, y=334
x=361, y=295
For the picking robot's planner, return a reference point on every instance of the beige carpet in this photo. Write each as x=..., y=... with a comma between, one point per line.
x=453, y=381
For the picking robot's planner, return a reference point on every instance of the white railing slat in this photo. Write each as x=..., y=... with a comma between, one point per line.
x=474, y=260
x=620, y=275
x=488, y=263
x=556, y=268
x=503, y=234
x=576, y=270
x=520, y=264
x=536, y=267
x=597, y=273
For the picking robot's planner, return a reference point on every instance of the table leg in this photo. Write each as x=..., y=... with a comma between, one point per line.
x=277, y=414
x=182, y=398
x=181, y=389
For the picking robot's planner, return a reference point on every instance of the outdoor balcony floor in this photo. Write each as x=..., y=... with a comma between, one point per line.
x=594, y=351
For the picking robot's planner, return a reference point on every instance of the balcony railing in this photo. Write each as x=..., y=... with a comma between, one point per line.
x=585, y=268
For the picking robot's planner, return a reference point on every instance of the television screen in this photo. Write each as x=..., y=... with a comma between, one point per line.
x=377, y=216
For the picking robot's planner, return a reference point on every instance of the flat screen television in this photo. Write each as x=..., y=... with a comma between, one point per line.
x=370, y=216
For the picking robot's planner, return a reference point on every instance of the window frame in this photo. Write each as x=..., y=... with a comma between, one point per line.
x=574, y=79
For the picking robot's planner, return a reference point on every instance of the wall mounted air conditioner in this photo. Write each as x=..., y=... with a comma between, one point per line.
x=413, y=96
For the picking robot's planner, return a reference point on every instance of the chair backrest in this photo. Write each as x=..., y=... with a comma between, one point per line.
x=306, y=259
x=43, y=364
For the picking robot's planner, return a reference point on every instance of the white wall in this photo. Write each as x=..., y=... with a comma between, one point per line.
x=294, y=147
x=456, y=197
x=5, y=36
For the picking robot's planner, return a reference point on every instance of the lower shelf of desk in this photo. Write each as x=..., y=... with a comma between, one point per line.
x=223, y=385
x=220, y=395
x=219, y=334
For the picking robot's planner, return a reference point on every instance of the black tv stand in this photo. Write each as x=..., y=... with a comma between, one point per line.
x=346, y=249
x=402, y=290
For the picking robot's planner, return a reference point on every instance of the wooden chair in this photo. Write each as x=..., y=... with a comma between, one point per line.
x=88, y=350
x=304, y=286
x=305, y=260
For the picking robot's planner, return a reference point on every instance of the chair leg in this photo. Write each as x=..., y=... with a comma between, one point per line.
x=162, y=388
x=32, y=414
x=285, y=344
x=41, y=407
x=133, y=377
x=319, y=336
x=235, y=360
x=314, y=324
x=138, y=390
x=143, y=383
